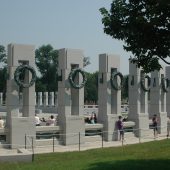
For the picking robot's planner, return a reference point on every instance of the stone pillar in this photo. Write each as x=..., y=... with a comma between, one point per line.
x=138, y=101
x=56, y=101
x=1, y=99
x=109, y=98
x=167, y=69
x=38, y=99
x=35, y=96
x=70, y=100
x=40, y=94
x=158, y=100
x=45, y=99
x=18, y=125
x=52, y=99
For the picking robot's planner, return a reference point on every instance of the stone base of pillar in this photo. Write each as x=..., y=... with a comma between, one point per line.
x=162, y=123
x=109, y=127
x=73, y=130
x=141, y=128
x=19, y=128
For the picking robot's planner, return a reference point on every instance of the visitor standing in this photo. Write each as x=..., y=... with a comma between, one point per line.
x=120, y=128
x=51, y=121
x=1, y=123
x=37, y=121
x=155, y=125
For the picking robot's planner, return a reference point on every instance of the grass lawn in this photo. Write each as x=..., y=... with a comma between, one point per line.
x=146, y=156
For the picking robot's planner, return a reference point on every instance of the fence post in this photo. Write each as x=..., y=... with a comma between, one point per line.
x=53, y=142
x=102, y=138
x=25, y=141
x=32, y=149
x=139, y=135
x=79, y=141
x=122, y=142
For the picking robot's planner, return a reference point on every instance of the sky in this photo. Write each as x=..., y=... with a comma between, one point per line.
x=72, y=24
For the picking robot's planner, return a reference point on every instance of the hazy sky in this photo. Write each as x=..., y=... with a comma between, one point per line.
x=61, y=23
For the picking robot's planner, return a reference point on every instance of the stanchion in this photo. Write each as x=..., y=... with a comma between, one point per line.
x=32, y=149
x=25, y=141
x=79, y=141
x=53, y=142
x=139, y=135
x=102, y=138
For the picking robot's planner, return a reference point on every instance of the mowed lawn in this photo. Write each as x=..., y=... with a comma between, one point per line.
x=152, y=156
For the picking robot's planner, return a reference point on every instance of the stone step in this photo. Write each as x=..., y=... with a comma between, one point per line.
x=43, y=142
x=129, y=134
x=93, y=138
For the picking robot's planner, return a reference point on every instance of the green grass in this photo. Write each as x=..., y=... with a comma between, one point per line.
x=146, y=156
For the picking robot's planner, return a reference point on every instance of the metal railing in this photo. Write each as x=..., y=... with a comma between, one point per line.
x=96, y=140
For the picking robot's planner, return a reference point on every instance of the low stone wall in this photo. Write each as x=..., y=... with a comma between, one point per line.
x=21, y=155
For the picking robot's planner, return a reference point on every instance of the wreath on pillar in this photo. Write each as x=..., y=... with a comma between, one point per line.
x=144, y=88
x=113, y=80
x=72, y=76
x=165, y=84
x=19, y=71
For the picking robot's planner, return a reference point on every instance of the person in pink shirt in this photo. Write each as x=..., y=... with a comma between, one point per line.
x=51, y=121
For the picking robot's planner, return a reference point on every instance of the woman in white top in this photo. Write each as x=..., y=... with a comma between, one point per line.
x=1, y=123
x=51, y=121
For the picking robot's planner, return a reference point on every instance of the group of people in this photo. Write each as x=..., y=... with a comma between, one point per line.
x=49, y=122
x=1, y=123
x=155, y=123
x=91, y=119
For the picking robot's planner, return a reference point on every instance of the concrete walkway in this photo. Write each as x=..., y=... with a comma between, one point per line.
x=85, y=146
x=95, y=144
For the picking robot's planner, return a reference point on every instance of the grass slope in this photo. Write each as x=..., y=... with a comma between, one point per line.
x=146, y=156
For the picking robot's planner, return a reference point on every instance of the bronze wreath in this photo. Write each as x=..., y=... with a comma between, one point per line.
x=72, y=76
x=144, y=88
x=113, y=81
x=165, y=88
x=19, y=71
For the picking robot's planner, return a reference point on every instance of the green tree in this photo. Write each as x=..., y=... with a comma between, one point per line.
x=91, y=87
x=124, y=89
x=3, y=56
x=86, y=61
x=46, y=59
x=144, y=26
x=3, y=78
x=3, y=70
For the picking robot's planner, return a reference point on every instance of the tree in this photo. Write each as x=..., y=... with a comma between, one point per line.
x=144, y=26
x=124, y=89
x=3, y=78
x=3, y=56
x=86, y=61
x=3, y=70
x=46, y=59
x=91, y=87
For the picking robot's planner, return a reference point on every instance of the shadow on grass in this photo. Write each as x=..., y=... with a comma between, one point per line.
x=132, y=165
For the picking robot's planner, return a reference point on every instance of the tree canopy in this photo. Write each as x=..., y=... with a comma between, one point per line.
x=3, y=57
x=144, y=26
x=46, y=59
x=91, y=87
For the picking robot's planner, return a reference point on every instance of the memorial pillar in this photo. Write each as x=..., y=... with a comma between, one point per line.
x=70, y=99
x=22, y=124
x=139, y=86
x=109, y=99
x=158, y=99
